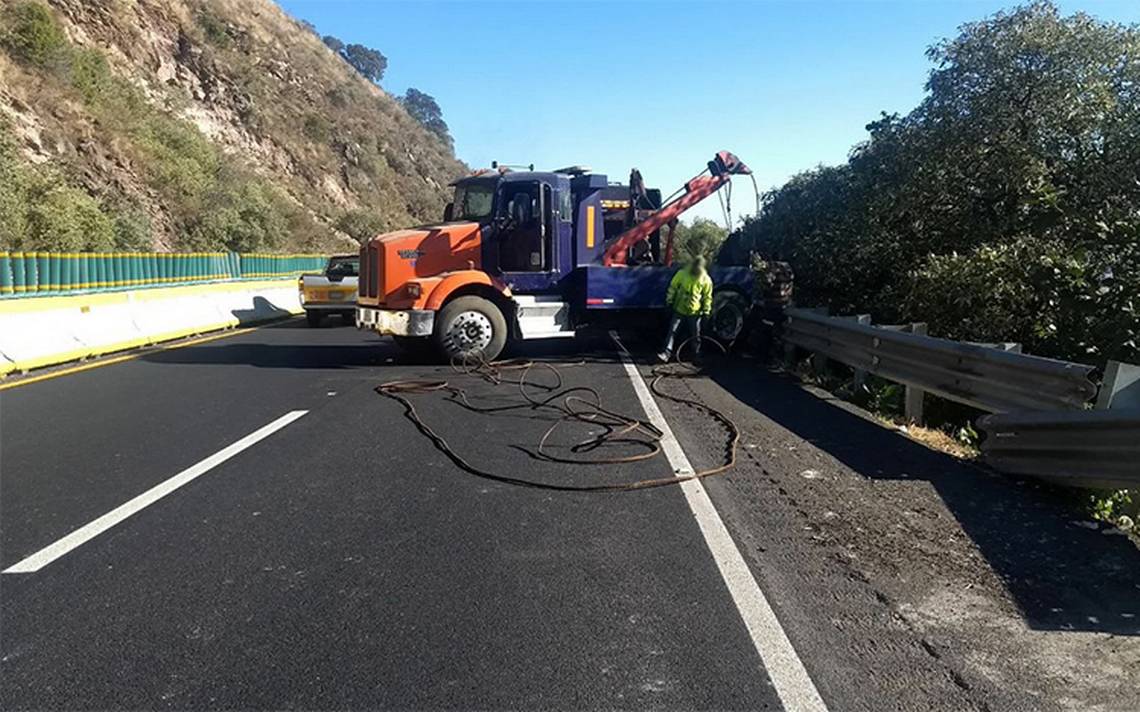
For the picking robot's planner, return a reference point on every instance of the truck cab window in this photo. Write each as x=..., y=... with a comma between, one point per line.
x=521, y=229
x=565, y=206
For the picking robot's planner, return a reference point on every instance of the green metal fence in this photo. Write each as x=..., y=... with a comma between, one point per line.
x=28, y=273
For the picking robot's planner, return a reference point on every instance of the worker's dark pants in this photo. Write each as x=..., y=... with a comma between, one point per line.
x=692, y=328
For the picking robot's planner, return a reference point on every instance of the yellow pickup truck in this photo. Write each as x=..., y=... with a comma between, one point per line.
x=331, y=292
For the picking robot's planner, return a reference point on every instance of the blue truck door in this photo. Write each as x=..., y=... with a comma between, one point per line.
x=526, y=248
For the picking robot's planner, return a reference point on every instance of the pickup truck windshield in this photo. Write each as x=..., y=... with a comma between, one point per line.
x=344, y=266
x=473, y=201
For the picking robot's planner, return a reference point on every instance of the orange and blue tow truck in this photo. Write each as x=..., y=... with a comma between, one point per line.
x=523, y=255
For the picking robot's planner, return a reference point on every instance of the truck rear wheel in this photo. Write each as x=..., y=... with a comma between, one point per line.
x=314, y=317
x=730, y=309
x=468, y=326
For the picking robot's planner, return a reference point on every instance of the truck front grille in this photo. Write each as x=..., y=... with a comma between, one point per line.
x=370, y=271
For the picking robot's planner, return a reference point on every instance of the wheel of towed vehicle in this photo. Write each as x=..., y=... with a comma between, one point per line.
x=730, y=309
x=468, y=326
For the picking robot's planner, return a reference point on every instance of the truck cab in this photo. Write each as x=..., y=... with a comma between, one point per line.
x=522, y=255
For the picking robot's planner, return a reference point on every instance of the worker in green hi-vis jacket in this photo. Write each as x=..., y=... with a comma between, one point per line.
x=690, y=296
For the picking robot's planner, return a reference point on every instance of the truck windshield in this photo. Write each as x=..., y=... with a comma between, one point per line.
x=473, y=201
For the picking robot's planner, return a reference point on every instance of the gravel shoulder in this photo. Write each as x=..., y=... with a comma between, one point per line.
x=908, y=579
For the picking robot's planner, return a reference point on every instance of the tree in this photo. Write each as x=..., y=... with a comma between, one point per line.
x=334, y=44
x=996, y=207
x=702, y=238
x=369, y=62
x=424, y=109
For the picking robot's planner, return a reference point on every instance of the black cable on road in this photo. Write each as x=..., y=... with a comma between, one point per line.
x=575, y=404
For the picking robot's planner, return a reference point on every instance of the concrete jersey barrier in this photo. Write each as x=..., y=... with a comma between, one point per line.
x=41, y=331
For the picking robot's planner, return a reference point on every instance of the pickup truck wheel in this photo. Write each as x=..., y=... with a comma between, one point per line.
x=469, y=325
x=730, y=309
x=314, y=317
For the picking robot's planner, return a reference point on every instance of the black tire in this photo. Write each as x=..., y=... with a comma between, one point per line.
x=469, y=325
x=314, y=317
x=349, y=318
x=729, y=315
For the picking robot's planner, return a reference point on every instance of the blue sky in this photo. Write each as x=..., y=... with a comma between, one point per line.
x=661, y=85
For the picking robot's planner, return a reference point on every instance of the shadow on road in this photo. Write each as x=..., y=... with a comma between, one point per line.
x=332, y=356
x=1062, y=577
x=336, y=346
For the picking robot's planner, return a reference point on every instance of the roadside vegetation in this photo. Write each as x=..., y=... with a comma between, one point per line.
x=255, y=139
x=703, y=237
x=215, y=204
x=1005, y=207
x=371, y=64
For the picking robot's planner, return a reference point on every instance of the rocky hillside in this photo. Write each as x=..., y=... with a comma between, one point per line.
x=198, y=124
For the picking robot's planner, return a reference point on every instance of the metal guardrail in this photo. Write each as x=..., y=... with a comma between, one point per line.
x=985, y=378
x=1091, y=448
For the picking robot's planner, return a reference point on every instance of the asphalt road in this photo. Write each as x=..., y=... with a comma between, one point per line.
x=342, y=562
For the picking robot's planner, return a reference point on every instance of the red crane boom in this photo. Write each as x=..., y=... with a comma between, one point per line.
x=720, y=170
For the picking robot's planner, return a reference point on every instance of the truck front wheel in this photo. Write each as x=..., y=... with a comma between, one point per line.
x=468, y=326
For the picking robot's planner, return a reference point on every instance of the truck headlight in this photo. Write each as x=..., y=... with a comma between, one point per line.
x=414, y=290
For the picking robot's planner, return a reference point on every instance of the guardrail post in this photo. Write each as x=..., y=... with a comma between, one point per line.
x=860, y=378
x=818, y=361
x=1121, y=387
x=915, y=396
x=790, y=348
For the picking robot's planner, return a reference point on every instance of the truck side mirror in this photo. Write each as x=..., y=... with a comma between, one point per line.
x=449, y=212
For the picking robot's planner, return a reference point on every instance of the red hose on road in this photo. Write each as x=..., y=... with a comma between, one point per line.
x=575, y=404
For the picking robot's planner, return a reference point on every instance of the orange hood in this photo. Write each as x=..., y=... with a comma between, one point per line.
x=391, y=260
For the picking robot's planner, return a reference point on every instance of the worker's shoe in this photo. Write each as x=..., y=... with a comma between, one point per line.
x=663, y=357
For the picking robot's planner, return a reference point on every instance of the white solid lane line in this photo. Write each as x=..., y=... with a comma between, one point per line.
x=796, y=690
x=89, y=531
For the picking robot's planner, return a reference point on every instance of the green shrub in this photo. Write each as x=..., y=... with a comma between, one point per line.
x=214, y=29
x=242, y=214
x=13, y=192
x=317, y=128
x=1064, y=301
x=180, y=159
x=33, y=35
x=361, y=224
x=61, y=218
x=89, y=73
x=133, y=230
